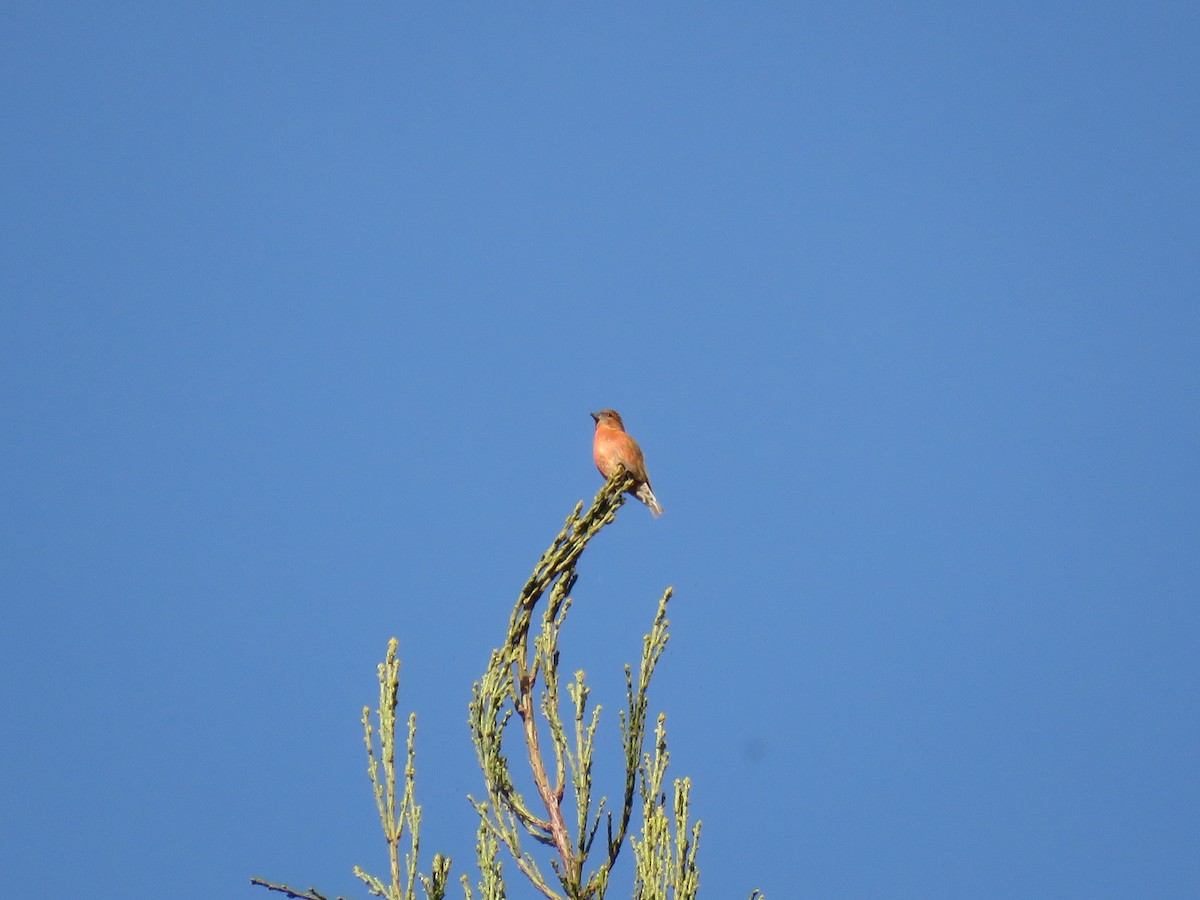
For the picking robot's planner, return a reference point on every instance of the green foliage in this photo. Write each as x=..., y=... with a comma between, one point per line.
x=522, y=687
x=396, y=814
x=665, y=856
x=509, y=687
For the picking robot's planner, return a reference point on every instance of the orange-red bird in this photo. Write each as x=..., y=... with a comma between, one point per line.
x=612, y=447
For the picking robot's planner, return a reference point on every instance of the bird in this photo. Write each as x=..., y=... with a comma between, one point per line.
x=613, y=448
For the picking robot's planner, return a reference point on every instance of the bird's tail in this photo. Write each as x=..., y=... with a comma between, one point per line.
x=647, y=496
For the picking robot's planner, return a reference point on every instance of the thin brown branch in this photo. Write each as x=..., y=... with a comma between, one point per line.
x=550, y=797
x=311, y=894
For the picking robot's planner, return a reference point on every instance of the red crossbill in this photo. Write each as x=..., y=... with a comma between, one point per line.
x=612, y=447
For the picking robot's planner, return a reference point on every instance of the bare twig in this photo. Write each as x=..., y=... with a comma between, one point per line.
x=310, y=894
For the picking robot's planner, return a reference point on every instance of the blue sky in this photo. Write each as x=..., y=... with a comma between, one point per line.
x=304, y=311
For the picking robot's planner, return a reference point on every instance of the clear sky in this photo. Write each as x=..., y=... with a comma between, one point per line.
x=303, y=309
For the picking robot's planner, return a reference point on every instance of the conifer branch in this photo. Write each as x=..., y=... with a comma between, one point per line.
x=508, y=686
x=522, y=679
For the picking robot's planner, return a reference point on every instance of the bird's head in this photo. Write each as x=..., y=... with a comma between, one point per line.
x=609, y=417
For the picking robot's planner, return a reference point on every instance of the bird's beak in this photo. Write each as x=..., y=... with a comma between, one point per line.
x=595, y=416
